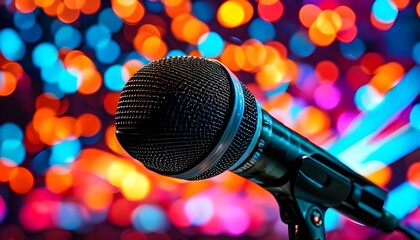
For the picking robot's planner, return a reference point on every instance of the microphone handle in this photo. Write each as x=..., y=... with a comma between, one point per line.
x=282, y=156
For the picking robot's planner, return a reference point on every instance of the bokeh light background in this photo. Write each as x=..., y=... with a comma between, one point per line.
x=345, y=74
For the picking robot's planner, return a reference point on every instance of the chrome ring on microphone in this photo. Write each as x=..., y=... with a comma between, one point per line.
x=227, y=138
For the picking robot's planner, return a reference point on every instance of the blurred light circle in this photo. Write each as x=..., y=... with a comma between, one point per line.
x=261, y=30
x=198, y=210
x=270, y=11
x=175, y=52
x=11, y=45
x=44, y=55
x=385, y=11
x=109, y=52
x=210, y=45
x=115, y=77
x=13, y=150
x=24, y=20
x=67, y=36
x=65, y=152
x=21, y=181
x=327, y=96
x=135, y=186
x=10, y=130
x=149, y=218
x=235, y=220
x=32, y=34
x=204, y=10
x=97, y=36
x=52, y=73
x=231, y=14
x=69, y=216
x=300, y=45
x=68, y=81
x=108, y=18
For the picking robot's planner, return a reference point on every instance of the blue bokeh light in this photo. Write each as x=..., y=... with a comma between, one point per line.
x=154, y=6
x=24, y=20
x=67, y=36
x=261, y=30
x=114, y=77
x=300, y=45
x=149, y=218
x=108, y=18
x=32, y=34
x=13, y=150
x=210, y=45
x=97, y=36
x=385, y=11
x=10, y=131
x=44, y=55
x=108, y=53
x=69, y=216
x=65, y=152
x=204, y=10
x=51, y=74
x=11, y=45
x=175, y=52
x=68, y=81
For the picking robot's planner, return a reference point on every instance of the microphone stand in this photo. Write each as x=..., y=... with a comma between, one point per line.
x=311, y=189
x=304, y=217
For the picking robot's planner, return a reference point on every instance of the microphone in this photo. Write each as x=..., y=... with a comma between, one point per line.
x=191, y=118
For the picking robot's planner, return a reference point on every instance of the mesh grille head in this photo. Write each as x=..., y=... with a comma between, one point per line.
x=172, y=113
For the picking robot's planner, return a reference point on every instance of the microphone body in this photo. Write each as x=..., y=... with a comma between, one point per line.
x=281, y=156
x=191, y=118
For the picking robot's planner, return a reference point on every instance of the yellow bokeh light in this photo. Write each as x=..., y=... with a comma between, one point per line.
x=231, y=14
x=328, y=22
x=117, y=171
x=312, y=121
x=271, y=75
x=135, y=186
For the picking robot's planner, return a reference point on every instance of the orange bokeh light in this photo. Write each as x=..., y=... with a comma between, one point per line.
x=89, y=124
x=381, y=177
x=58, y=179
x=312, y=121
x=8, y=83
x=67, y=15
x=413, y=174
x=21, y=181
x=174, y=8
x=25, y=6
x=387, y=76
x=308, y=14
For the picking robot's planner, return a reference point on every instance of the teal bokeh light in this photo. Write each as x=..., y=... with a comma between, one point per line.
x=385, y=11
x=11, y=45
x=210, y=45
x=44, y=55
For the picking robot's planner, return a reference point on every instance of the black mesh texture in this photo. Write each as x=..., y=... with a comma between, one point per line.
x=241, y=141
x=173, y=111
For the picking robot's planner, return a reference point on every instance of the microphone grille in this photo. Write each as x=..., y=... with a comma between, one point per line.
x=172, y=113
